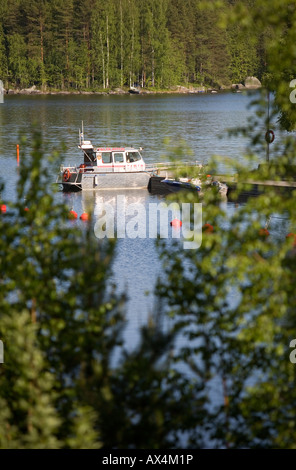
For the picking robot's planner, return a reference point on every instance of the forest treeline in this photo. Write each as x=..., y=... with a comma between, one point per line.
x=101, y=44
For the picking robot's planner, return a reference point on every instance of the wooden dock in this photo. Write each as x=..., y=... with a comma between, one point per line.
x=254, y=188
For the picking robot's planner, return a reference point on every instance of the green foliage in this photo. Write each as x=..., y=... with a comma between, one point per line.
x=274, y=23
x=3, y=61
x=244, y=57
x=48, y=346
x=18, y=65
x=232, y=301
x=68, y=381
x=78, y=44
x=28, y=416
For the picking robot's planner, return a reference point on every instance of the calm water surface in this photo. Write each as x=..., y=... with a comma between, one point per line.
x=136, y=121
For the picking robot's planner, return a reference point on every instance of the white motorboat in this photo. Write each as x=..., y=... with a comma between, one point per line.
x=106, y=168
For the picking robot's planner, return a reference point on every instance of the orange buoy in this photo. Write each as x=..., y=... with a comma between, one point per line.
x=264, y=233
x=84, y=216
x=207, y=228
x=73, y=215
x=3, y=208
x=176, y=223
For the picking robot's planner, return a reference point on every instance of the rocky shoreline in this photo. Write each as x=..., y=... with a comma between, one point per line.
x=250, y=83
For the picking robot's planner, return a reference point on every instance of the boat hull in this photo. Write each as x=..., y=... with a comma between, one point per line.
x=104, y=181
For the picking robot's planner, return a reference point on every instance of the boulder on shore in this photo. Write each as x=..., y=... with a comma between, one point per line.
x=120, y=91
x=197, y=89
x=29, y=91
x=179, y=89
x=252, y=83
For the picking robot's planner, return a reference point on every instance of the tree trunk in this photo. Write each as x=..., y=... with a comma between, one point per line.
x=132, y=54
x=152, y=67
x=108, y=53
x=121, y=45
x=103, y=61
x=43, y=79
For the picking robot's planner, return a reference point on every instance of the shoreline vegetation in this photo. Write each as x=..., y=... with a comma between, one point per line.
x=111, y=46
x=250, y=83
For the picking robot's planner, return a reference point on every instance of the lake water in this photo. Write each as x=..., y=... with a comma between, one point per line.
x=136, y=120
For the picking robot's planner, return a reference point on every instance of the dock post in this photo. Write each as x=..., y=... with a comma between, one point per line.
x=18, y=154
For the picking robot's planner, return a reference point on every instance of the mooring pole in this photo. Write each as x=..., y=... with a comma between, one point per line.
x=267, y=140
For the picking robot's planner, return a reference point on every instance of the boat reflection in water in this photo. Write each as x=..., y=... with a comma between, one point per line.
x=117, y=214
x=136, y=263
x=138, y=214
x=130, y=214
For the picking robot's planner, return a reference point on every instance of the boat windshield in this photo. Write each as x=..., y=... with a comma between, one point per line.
x=132, y=157
x=89, y=156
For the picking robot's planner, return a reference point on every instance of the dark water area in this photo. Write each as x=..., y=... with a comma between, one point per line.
x=135, y=120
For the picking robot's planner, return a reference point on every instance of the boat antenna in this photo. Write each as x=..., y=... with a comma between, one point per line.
x=82, y=131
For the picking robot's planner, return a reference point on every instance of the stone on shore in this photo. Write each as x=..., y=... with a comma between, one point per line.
x=238, y=86
x=252, y=83
x=30, y=91
x=120, y=91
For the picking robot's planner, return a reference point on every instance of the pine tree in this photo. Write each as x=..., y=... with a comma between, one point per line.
x=17, y=60
x=3, y=60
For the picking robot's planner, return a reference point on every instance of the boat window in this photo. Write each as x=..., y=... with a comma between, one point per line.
x=118, y=157
x=133, y=157
x=106, y=157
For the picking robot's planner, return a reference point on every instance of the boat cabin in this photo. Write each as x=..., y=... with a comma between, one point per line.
x=113, y=159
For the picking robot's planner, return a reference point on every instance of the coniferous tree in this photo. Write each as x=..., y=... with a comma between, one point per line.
x=90, y=43
x=232, y=298
x=3, y=60
x=17, y=59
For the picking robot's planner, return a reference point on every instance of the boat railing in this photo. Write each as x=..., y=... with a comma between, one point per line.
x=174, y=164
x=72, y=169
x=156, y=169
x=168, y=167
